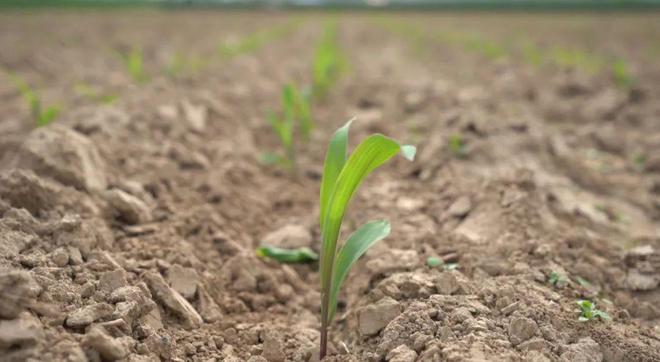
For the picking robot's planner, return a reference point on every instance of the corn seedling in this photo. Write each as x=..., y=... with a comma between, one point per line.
x=341, y=178
x=250, y=43
x=299, y=255
x=134, y=64
x=328, y=62
x=85, y=90
x=621, y=74
x=434, y=261
x=296, y=111
x=457, y=146
x=557, y=280
x=588, y=311
x=41, y=115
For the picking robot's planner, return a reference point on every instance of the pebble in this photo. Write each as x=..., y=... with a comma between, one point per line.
x=129, y=208
x=521, y=329
x=87, y=315
x=401, y=353
x=375, y=317
x=109, y=348
x=172, y=300
x=183, y=280
x=60, y=257
x=461, y=207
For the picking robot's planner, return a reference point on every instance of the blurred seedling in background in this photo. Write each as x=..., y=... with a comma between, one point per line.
x=250, y=43
x=181, y=64
x=295, y=119
x=434, y=262
x=42, y=115
x=298, y=255
x=588, y=311
x=133, y=61
x=341, y=178
x=89, y=92
x=558, y=280
x=457, y=146
x=621, y=74
x=329, y=63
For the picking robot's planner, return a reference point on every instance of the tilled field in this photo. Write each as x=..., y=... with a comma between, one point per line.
x=128, y=228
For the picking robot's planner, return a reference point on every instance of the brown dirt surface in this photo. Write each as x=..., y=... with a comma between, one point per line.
x=128, y=229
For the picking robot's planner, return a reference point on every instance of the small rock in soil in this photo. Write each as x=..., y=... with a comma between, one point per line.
x=521, y=329
x=375, y=317
x=110, y=349
x=585, y=350
x=183, y=280
x=88, y=314
x=196, y=115
x=272, y=347
x=60, y=257
x=17, y=290
x=65, y=155
x=19, y=334
x=112, y=280
x=289, y=236
x=393, y=260
x=402, y=353
x=172, y=300
x=129, y=208
x=461, y=207
x=639, y=281
x=208, y=309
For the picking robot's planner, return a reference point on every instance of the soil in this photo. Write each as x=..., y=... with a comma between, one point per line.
x=127, y=230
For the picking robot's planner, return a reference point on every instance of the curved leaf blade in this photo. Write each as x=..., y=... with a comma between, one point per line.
x=356, y=245
x=335, y=159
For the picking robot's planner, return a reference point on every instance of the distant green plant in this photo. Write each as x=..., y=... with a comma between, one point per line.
x=557, y=280
x=621, y=74
x=42, y=115
x=531, y=53
x=341, y=178
x=87, y=91
x=282, y=255
x=457, y=146
x=589, y=312
x=295, y=118
x=329, y=63
x=134, y=64
x=181, y=64
x=434, y=261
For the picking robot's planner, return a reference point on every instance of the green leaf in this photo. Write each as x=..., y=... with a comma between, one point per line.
x=335, y=159
x=299, y=255
x=47, y=116
x=373, y=152
x=433, y=261
x=356, y=245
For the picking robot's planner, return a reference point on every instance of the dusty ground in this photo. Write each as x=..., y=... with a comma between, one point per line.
x=127, y=231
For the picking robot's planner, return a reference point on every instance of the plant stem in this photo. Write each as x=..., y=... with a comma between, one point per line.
x=324, y=340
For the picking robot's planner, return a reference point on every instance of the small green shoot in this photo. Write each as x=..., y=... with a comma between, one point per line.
x=42, y=115
x=87, y=91
x=557, y=280
x=296, y=111
x=134, y=64
x=434, y=261
x=298, y=255
x=457, y=146
x=341, y=177
x=583, y=282
x=621, y=74
x=589, y=312
x=329, y=62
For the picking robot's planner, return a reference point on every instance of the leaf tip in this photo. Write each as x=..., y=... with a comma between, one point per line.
x=408, y=152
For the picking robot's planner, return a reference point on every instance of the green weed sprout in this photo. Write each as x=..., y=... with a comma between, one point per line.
x=296, y=110
x=589, y=312
x=134, y=64
x=328, y=62
x=434, y=261
x=85, y=90
x=557, y=280
x=621, y=74
x=457, y=146
x=341, y=178
x=298, y=255
x=42, y=115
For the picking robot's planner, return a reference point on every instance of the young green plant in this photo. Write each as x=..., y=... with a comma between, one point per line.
x=42, y=115
x=296, y=110
x=134, y=64
x=341, y=178
x=588, y=311
x=328, y=62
